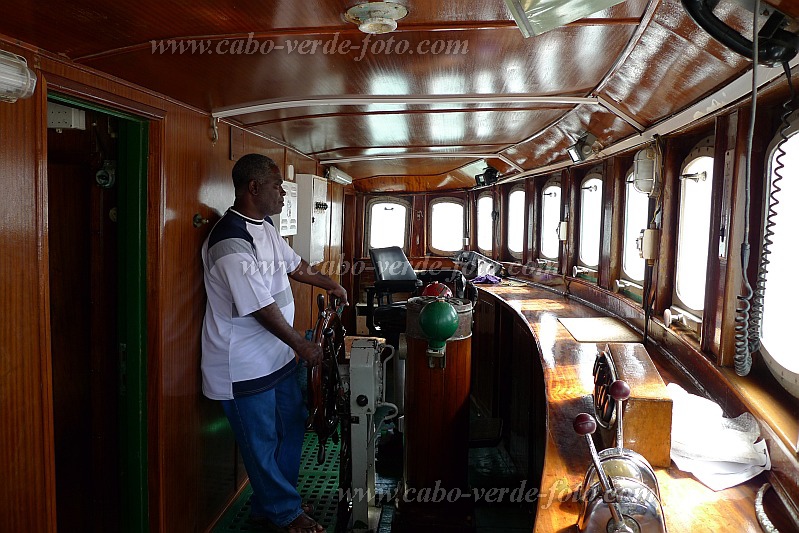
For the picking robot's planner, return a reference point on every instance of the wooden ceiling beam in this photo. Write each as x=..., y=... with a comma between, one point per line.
x=407, y=112
x=361, y=100
x=319, y=153
x=426, y=155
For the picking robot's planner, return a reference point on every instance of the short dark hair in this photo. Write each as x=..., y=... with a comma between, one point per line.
x=253, y=167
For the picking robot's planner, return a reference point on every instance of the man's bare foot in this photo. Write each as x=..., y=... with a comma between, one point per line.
x=307, y=508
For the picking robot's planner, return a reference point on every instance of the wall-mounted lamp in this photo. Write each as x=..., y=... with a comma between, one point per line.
x=489, y=176
x=16, y=79
x=646, y=172
x=583, y=148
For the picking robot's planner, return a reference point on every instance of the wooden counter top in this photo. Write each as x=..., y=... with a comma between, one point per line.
x=567, y=368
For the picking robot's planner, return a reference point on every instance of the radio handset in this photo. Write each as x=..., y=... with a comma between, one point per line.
x=776, y=45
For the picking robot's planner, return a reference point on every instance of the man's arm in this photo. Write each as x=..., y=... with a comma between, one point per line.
x=272, y=319
x=305, y=273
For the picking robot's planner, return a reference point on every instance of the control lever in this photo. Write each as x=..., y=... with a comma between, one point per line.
x=619, y=390
x=620, y=492
x=618, y=460
x=585, y=425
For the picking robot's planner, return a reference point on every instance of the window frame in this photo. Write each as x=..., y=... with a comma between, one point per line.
x=704, y=148
x=775, y=363
x=525, y=227
x=441, y=199
x=592, y=174
x=552, y=182
x=484, y=194
x=367, y=234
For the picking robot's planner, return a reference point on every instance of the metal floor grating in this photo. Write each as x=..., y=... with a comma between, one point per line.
x=318, y=485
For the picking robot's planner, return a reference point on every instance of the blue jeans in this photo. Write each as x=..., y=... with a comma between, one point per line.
x=269, y=428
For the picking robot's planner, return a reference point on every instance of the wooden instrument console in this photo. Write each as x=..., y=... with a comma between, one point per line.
x=647, y=412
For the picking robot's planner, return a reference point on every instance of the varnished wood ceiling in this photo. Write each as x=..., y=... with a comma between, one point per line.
x=645, y=58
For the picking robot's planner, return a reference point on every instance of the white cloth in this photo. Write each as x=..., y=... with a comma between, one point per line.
x=720, y=452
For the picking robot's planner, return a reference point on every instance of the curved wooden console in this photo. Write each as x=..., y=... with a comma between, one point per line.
x=565, y=381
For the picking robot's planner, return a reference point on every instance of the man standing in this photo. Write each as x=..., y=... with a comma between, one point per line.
x=248, y=341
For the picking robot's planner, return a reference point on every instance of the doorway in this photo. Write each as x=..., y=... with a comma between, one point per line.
x=96, y=168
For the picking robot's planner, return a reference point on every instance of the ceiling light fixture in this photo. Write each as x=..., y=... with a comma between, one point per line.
x=376, y=17
x=16, y=79
x=534, y=17
x=582, y=149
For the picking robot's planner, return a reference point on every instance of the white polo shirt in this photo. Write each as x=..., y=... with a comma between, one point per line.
x=246, y=265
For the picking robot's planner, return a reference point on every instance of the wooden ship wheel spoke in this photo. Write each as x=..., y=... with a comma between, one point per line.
x=325, y=392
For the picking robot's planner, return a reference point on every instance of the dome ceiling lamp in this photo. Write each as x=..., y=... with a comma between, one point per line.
x=376, y=17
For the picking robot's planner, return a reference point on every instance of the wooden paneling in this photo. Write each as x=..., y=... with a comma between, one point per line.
x=649, y=58
x=613, y=220
x=674, y=154
x=786, y=6
x=714, y=293
x=532, y=199
x=192, y=460
x=485, y=357
x=549, y=145
x=528, y=66
x=412, y=129
x=419, y=218
x=680, y=47
x=570, y=196
x=27, y=494
x=437, y=422
x=414, y=183
x=150, y=19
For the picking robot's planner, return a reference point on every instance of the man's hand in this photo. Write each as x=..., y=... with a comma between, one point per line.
x=310, y=352
x=340, y=293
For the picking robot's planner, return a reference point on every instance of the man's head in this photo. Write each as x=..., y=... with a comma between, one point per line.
x=258, y=184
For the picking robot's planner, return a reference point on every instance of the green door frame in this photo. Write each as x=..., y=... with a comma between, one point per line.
x=132, y=327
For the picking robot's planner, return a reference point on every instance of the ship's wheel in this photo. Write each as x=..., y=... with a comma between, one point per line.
x=604, y=376
x=325, y=392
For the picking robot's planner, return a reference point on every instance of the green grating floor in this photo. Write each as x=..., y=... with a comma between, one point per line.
x=318, y=486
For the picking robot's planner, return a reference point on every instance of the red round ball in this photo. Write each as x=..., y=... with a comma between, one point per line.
x=584, y=424
x=439, y=290
x=619, y=390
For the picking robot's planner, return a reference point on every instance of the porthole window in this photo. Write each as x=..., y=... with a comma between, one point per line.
x=779, y=298
x=590, y=220
x=636, y=211
x=693, y=232
x=485, y=223
x=516, y=222
x=550, y=219
x=447, y=223
x=388, y=222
